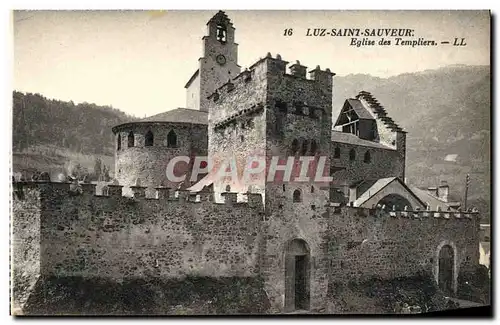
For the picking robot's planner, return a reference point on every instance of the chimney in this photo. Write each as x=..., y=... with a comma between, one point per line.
x=353, y=195
x=443, y=191
x=432, y=191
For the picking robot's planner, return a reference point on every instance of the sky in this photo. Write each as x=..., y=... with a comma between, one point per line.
x=139, y=61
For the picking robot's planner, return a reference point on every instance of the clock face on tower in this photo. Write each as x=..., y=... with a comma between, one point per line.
x=221, y=59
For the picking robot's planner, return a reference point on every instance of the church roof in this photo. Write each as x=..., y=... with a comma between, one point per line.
x=353, y=139
x=180, y=115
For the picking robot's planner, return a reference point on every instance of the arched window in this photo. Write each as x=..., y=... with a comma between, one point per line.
x=336, y=153
x=228, y=188
x=171, y=139
x=131, y=139
x=297, y=196
x=352, y=154
x=221, y=33
x=367, y=158
x=295, y=146
x=119, y=142
x=304, y=147
x=149, y=139
x=313, y=147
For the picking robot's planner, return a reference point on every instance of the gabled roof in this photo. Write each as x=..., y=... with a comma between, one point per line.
x=381, y=184
x=193, y=77
x=350, y=138
x=375, y=107
x=357, y=106
x=180, y=115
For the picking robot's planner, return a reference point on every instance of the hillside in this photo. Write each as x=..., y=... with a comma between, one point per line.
x=49, y=135
x=446, y=113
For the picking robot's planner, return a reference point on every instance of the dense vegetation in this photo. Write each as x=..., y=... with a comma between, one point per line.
x=82, y=128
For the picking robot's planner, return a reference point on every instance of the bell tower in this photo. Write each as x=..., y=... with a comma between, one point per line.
x=218, y=64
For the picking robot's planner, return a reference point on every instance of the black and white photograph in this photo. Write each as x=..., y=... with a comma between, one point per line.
x=251, y=162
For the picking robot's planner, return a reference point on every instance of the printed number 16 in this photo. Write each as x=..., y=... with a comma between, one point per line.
x=288, y=32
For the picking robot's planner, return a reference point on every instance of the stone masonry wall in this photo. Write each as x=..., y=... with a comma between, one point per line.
x=368, y=243
x=149, y=164
x=118, y=237
x=237, y=126
x=383, y=163
x=89, y=236
x=299, y=108
x=25, y=260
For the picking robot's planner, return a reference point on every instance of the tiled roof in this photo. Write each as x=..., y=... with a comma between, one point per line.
x=350, y=138
x=179, y=115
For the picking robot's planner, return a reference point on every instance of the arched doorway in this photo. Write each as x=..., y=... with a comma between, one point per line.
x=395, y=200
x=297, y=275
x=445, y=269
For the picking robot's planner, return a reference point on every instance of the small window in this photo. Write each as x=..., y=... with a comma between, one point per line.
x=304, y=147
x=367, y=158
x=228, y=188
x=281, y=106
x=295, y=146
x=313, y=147
x=242, y=138
x=243, y=125
x=336, y=153
x=149, y=139
x=119, y=142
x=284, y=188
x=297, y=196
x=130, y=139
x=352, y=154
x=171, y=139
x=298, y=107
x=312, y=189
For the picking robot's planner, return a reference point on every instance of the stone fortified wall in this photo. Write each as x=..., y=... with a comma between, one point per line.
x=65, y=233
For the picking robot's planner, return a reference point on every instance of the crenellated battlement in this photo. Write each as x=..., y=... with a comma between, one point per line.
x=385, y=212
x=114, y=191
x=275, y=67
